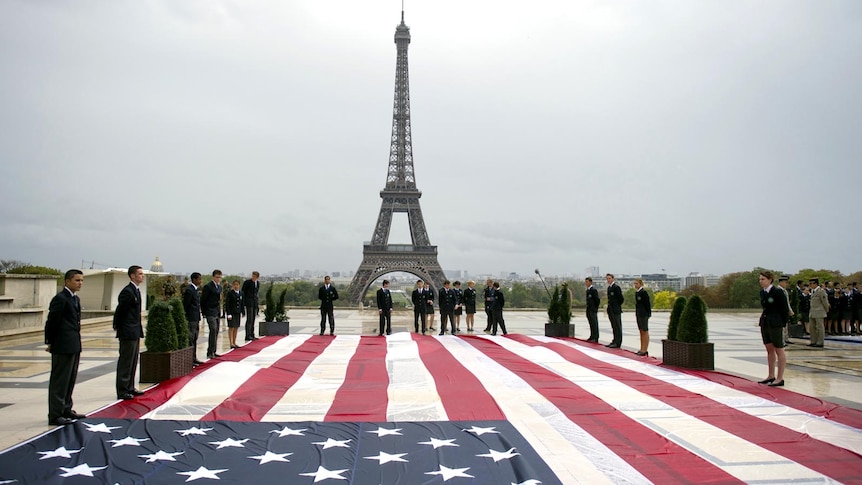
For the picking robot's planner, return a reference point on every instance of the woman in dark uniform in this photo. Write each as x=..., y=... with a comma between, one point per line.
x=468, y=301
x=834, y=311
x=458, y=310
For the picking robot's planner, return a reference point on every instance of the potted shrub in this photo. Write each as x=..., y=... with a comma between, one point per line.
x=166, y=357
x=690, y=347
x=276, y=321
x=675, y=313
x=560, y=314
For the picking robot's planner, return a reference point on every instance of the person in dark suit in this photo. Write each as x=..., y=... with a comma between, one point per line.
x=772, y=322
x=63, y=340
x=418, y=299
x=234, y=309
x=593, y=302
x=192, y=307
x=499, y=303
x=615, y=311
x=447, y=308
x=127, y=323
x=469, y=303
x=488, y=296
x=643, y=310
x=327, y=294
x=250, y=290
x=211, y=308
x=429, y=306
x=459, y=307
x=384, y=308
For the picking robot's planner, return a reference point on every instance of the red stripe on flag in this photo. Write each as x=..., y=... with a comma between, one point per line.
x=657, y=458
x=825, y=458
x=152, y=399
x=462, y=394
x=256, y=396
x=363, y=396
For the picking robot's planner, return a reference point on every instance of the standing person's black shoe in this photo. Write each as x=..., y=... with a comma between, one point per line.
x=777, y=383
x=125, y=397
x=73, y=415
x=61, y=421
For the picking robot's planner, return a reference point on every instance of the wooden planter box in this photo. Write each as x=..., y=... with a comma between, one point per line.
x=161, y=366
x=689, y=356
x=558, y=330
x=274, y=328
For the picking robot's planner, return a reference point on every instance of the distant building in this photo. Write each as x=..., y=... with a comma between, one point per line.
x=695, y=279
x=655, y=282
x=592, y=271
x=156, y=267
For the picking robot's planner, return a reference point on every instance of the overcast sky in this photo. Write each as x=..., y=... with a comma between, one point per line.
x=710, y=136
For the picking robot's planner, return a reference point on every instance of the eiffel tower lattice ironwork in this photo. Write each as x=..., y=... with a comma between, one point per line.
x=400, y=195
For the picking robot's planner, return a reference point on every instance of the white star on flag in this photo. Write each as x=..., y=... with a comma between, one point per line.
x=289, y=432
x=384, y=457
x=60, y=452
x=387, y=432
x=270, y=456
x=161, y=455
x=82, y=469
x=193, y=430
x=480, y=431
x=438, y=443
x=448, y=473
x=331, y=443
x=100, y=428
x=4, y=482
x=324, y=474
x=500, y=455
x=127, y=441
x=202, y=472
x=230, y=442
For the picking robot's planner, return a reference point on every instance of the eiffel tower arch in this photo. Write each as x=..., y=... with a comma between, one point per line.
x=399, y=195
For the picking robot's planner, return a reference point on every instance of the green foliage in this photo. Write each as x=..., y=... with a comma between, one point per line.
x=31, y=269
x=692, y=322
x=270, y=310
x=663, y=300
x=675, y=314
x=280, y=312
x=179, y=315
x=554, y=306
x=161, y=331
x=565, y=304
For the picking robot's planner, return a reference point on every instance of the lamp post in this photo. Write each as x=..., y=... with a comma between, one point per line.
x=543, y=283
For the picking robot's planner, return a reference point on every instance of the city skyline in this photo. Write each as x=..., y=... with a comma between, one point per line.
x=636, y=137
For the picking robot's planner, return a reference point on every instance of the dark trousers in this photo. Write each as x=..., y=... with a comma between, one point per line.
x=212, y=343
x=490, y=313
x=498, y=320
x=417, y=316
x=194, y=330
x=127, y=364
x=250, y=315
x=64, y=372
x=617, y=327
x=447, y=314
x=324, y=314
x=593, y=320
x=386, y=321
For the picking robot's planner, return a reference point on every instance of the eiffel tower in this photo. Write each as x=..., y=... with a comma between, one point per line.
x=400, y=195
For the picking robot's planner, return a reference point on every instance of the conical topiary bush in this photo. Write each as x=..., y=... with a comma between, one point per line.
x=675, y=314
x=554, y=306
x=180, y=322
x=692, y=322
x=161, y=331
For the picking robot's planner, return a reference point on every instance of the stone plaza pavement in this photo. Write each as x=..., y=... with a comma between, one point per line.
x=833, y=373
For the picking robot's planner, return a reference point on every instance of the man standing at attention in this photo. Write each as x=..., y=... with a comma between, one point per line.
x=127, y=323
x=615, y=311
x=819, y=310
x=63, y=338
x=210, y=307
x=447, y=308
x=418, y=299
x=488, y=296
x=327, y=294
x=384, y=308
x=192, y=306
x=593, y=302
x=499, y=303
x=250, y=290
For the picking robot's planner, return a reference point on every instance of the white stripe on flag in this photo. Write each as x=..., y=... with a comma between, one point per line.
x=412, y=392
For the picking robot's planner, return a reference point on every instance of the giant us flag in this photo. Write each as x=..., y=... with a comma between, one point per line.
x=410, y=409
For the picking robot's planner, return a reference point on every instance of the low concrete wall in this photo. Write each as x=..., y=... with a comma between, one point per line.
x=24, y=301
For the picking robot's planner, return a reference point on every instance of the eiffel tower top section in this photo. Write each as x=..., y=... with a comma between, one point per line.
x=400, y=177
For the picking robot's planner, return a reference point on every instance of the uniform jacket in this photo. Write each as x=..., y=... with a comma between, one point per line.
x=774, y=303
x=210, y=299
x=418, y=300
x=447, y=299
x=593, y=300
x=326, y=297
x=429, y=300
x=384, y=300
x=499, y=299
x=192, y=303
x=250, y=289
x=63, y=326
x=615, y=299
x=127, y=316
x=643, y=307
x=469, y=298
x=488, y=292
x=234, y=303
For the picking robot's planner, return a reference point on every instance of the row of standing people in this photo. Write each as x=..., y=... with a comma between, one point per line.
x=844, y=312
x=453, y=302
x=615, y=299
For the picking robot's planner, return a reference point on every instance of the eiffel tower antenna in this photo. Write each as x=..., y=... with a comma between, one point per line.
x=399, y=195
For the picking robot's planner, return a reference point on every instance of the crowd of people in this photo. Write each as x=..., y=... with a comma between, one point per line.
x=453, y=302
